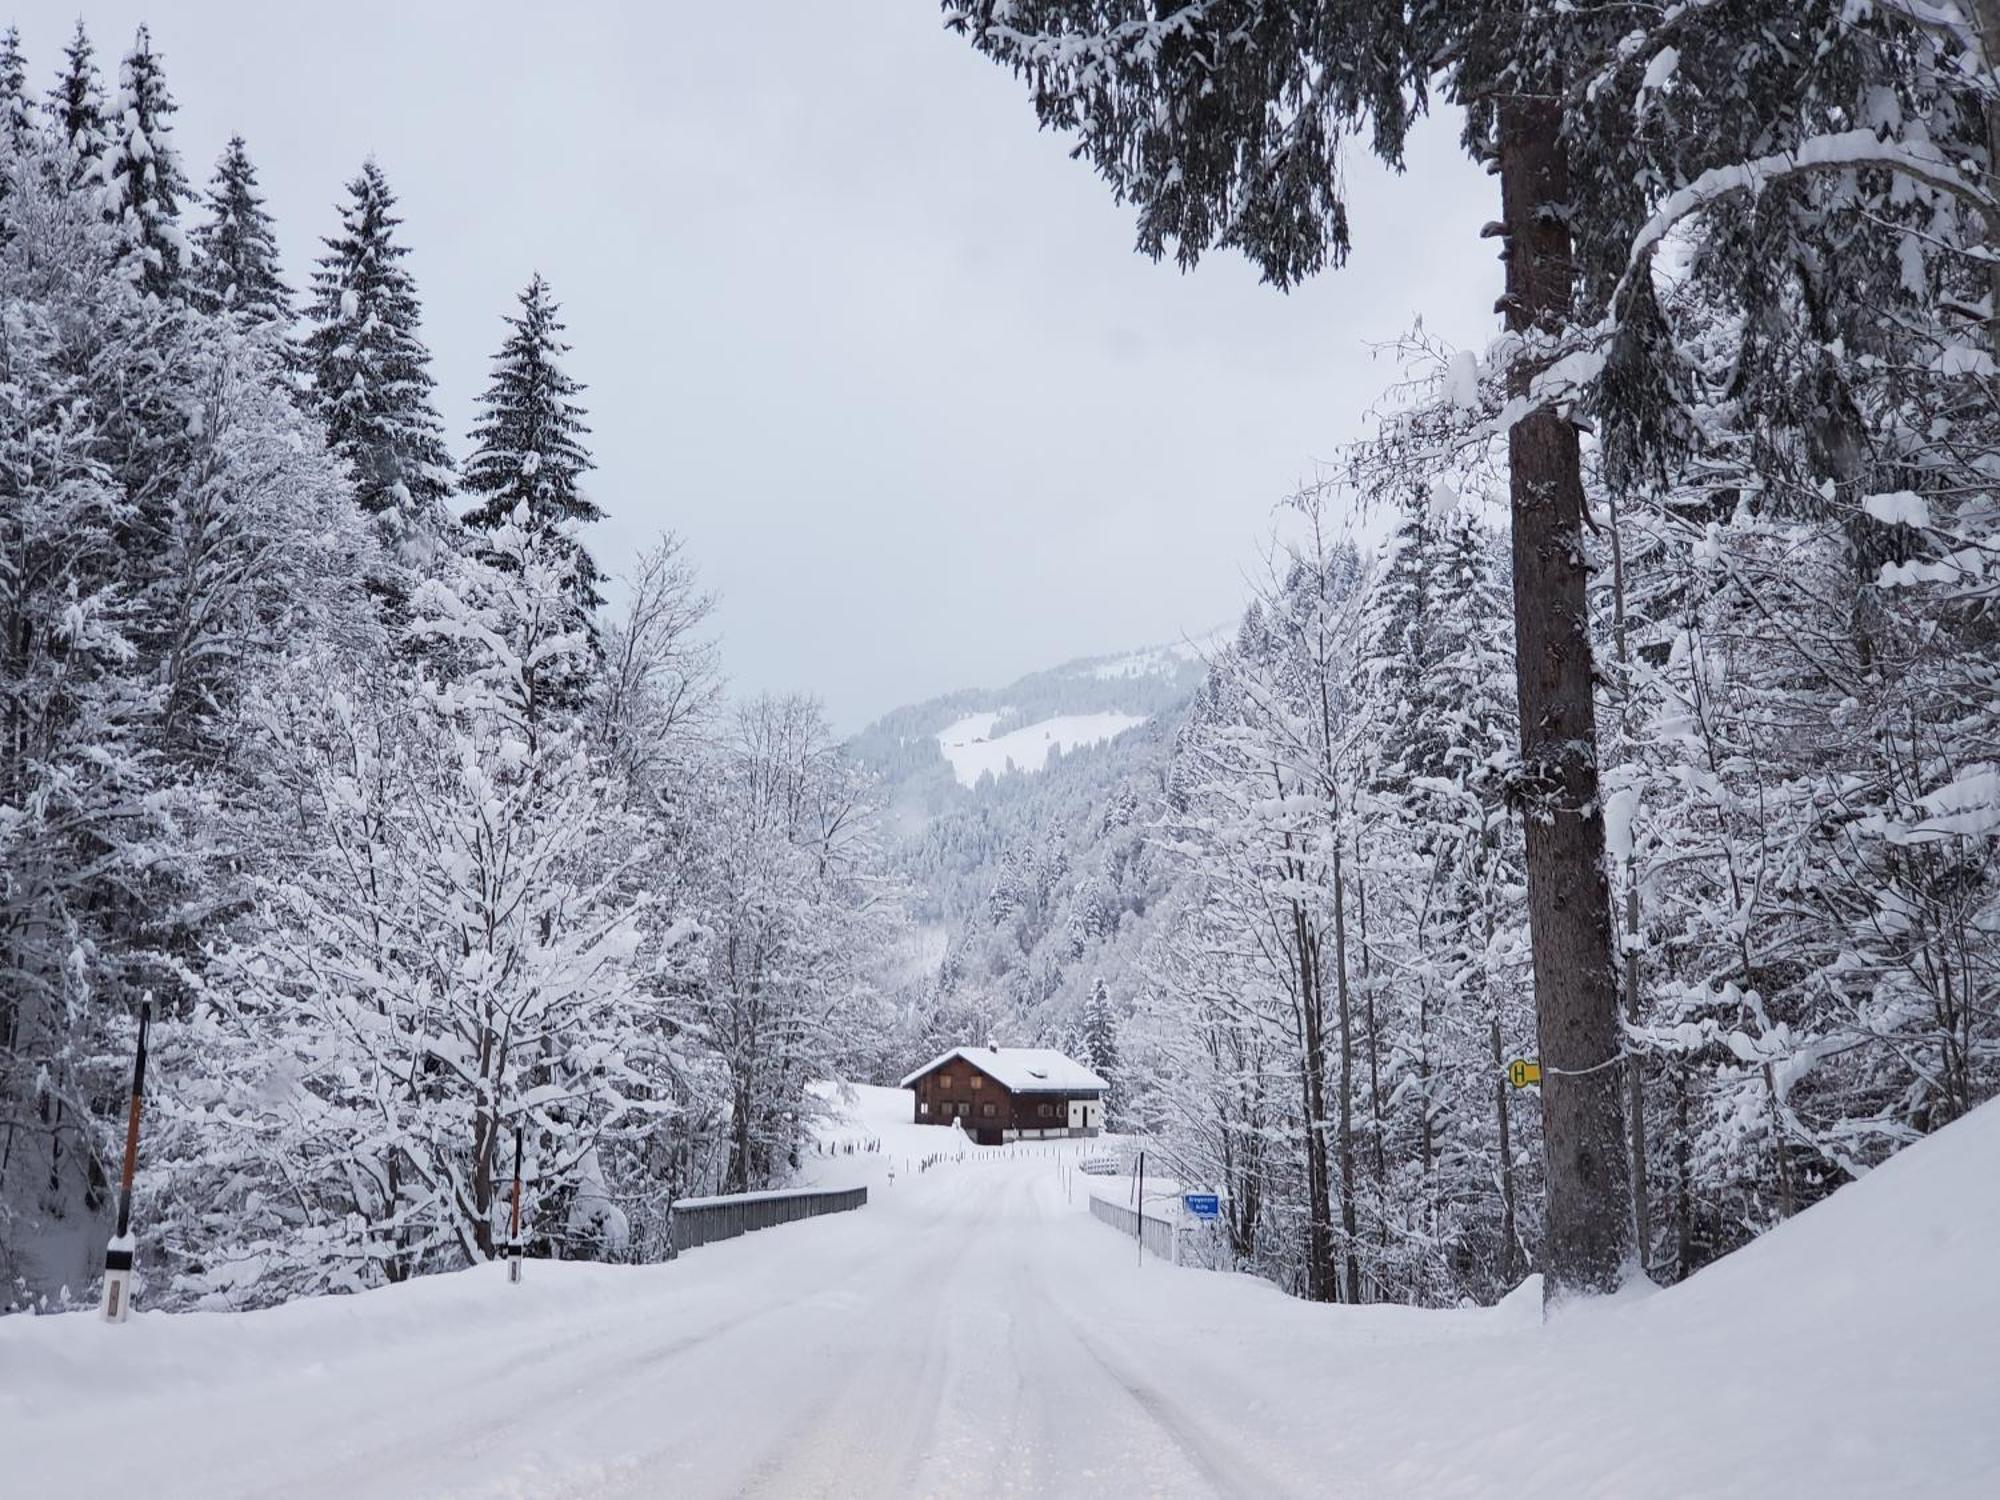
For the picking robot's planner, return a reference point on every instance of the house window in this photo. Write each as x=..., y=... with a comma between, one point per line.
x=944, y=1080
x=989, y=1110
x=978, y=1082
x=923, y=1108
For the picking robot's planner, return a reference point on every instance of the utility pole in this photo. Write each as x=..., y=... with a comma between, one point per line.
x=118, y=1254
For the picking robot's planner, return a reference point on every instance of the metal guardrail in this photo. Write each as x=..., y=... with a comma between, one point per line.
x=1157, y=1235
x=702, y=1221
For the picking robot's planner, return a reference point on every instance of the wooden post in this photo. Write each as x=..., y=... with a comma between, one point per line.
x=118, y=1254
x=514, y=1226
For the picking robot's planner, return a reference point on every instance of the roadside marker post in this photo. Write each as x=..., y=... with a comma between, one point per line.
x=1139, y=1208
x=118, y=1254
x=514, y=1227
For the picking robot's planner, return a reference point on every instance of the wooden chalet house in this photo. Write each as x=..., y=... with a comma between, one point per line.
x=1002, y=1094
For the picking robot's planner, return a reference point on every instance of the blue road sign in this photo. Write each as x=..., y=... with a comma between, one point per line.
x=1202, y=1205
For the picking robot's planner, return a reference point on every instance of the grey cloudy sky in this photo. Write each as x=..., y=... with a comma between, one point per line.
x=850, y=323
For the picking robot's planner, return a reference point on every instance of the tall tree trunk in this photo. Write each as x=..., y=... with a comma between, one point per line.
x=1510, y=1233
x=1683, y=1177
x=484, y=1126
x=1635, y=1070
x=1986, y=21
x=1321, y=1285
x=1347, y=1225
x=1380, y=1162
x=1569, y=902
x=1510, y=1218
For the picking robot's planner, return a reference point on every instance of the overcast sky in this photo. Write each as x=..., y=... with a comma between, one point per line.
x=850, y=323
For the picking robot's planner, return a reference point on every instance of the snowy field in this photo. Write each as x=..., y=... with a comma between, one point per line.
x=975, y=1329
x=972, y=754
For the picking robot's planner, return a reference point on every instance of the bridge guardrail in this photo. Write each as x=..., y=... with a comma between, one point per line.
x=702, y=1221
x=1157, y=1235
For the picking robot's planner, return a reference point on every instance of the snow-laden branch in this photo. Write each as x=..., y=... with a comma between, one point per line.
x=1838, y=152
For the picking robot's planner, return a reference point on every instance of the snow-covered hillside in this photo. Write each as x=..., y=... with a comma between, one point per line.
x=975, y=751
x=1022, y=870
x=1157, y=661
x=1848, y=1354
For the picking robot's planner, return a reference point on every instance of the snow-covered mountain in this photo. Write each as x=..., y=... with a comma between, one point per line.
x=932, y=755
x=1016, y=816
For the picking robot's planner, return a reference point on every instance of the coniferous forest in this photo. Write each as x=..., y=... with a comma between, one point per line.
x=1627, y=702
x=321, y=736
x=1710, y=833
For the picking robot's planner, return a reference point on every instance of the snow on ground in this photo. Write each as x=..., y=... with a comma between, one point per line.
x=975, y=1328
x=966, y=743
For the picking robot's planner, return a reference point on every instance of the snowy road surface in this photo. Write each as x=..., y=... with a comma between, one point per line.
x=974, y=1331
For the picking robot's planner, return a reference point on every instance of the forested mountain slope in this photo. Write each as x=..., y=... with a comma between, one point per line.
x=1018, y=817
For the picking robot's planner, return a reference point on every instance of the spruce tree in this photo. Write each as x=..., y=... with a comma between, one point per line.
x=1100, y=1035
x=143, y=175
x=529, y=454
x=371, y=379
x=76, y=109
x=1398, y=660
x=17, y=111
x=236, y=250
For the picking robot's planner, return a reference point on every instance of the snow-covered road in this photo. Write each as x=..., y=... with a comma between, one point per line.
x=975, y=1330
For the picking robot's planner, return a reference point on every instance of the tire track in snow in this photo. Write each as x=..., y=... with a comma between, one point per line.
x=881, y=1419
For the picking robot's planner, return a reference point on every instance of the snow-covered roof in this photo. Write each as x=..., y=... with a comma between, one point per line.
x=1022, y=1070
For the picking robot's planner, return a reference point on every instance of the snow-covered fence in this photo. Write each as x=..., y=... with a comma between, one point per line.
x=699, y=1221
x=1157, y=1235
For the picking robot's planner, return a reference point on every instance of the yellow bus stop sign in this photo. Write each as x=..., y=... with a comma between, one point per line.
x=1521, y=1072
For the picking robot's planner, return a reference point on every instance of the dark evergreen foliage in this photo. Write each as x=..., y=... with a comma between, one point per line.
x=371, y=379
x=76, y=110
x=236, y=247
x=144, y=184
x=529, y=454
x=18, y=122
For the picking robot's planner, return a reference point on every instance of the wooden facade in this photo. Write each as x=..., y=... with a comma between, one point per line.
x=960, y=1088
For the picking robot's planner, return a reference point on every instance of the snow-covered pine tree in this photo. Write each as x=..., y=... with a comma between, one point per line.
x=1398, y=627
x=371, y=379
x=236, y=247
x=529, y=456
x=76, y=114
x=18, y=122
x=1100, y=1038
x=145, y=185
